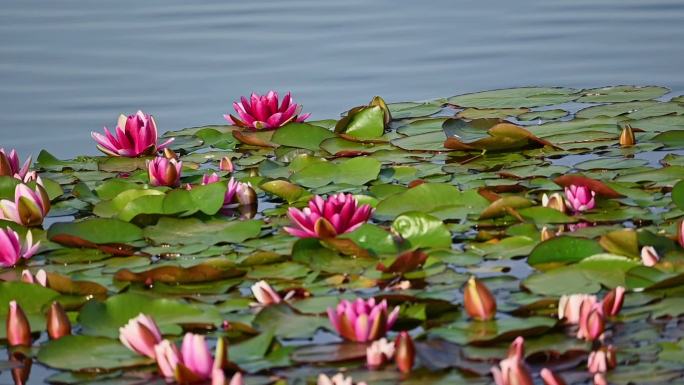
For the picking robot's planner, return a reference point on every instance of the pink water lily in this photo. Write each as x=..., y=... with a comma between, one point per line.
x=338, y=379
x=379, y=353
x=362, y=320
x=29, y=207
x=9, y=165
x=580, y=198
x=512, y=370
x=136, y=135
x=12, y=251
x=602, y=360
x=39, y=279
x=192, y=363
x=164, y=172
x=570, y=306
x=141, y=334
x=263, y=111
x=649, y=256
x=327, y=218
x=266, y=295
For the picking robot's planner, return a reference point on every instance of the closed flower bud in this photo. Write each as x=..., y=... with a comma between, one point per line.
x=602, y=360
x=649, y=256
x=18, y=328
x=627, y=136
x=599, y=379
x=479, y=302
x=612, y=302
x=551, y=378
x=226, y=164
x=264, y=293
x=546, y=234
x=58, y=324
x=245, y=194
x=591, y=324
x=379, y=353
x=405, y=352
x=555, y=201
x=512, y=370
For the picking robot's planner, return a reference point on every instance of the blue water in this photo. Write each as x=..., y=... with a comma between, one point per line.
x=70, y=67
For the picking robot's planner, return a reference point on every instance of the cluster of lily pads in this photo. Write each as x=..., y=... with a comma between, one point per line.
x=516, y=236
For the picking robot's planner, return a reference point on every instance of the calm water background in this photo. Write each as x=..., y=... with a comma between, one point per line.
x=70, y=67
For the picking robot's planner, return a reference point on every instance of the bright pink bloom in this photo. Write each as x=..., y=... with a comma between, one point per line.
x=612, y=302
x=40, y=278
x=194, y=359
x=361, y=320
x=649, y=256
x=551, y=378
x=11, y=249
x=580, y=198
x=29, y=207
x=379, y=353
x=570, y=306
x=512, y=370
x=9, y=165
x=141, y=334
x=231, y=189
x=262, y=111
x=136, y=135
x=602, y=360
x=338, y=379
x=591, y=323
x=164, y=172
x=328, y=218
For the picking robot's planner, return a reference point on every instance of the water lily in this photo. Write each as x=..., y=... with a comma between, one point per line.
x=555, y=201
x=18, y=328
x=264, y=111
x=58, y=324
x=226, y=164
x=551, y=378
x=136, y=135
x=600, y=379
x=591, y=323
x=406, y=352
x=627, y=138
x=338, y=379
x=12, y=251
x=9, y=165
x=362, y=320
x=602, y=360
x=219, y=378
x=237, y=193
x=164, y=172
x=512, y=370
x=379, y=353
x=40, y=278
x=680, y=233
x=612, y=302
x=191, y=364
x=478, y=301
x=649, y=256
x=570, y=306
x=580, y=198
x=29, y=207
x=141, y=334
x=327, y=218
x=265, y=295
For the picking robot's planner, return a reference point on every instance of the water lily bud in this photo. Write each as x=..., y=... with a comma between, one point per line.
x=551, y=378
x=5, y=165
x=164, y=172
x=405, y=352
x=546, y=234
x=18, y=328
x=264, y=293
x=245, y=194
x=602, y=360
x=478, y=301
x=379, y=353
x=22, y=370
x=517, y=349
x=141, y=334
x=612, y=302
x=627, y=136
x=591, y=324
x=226, y=164
x=599, y=379
x=649, y=256
x=40, y=278
x=58, y=324
x=170, y=154
x=555, y=201
x=511, y=371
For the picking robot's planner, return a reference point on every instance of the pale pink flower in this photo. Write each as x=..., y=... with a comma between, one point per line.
x=379, y=353
x=136, y=135
x=40, y=278
x=602, y=360
x=512, y=370
x=338, y=379
x=569, y=306
x=649, y=256
x=264, y=112
x=141, y=334
x=194, y=359
x=327, y=218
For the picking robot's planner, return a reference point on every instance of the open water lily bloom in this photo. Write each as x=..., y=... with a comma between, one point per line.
x=580, y=198
x=265, y=111
x=327, y=218
x=192, y=363
x=12, y=251
x=141, y=334
x=9, y=165
x=135, y=135
x=29, y=207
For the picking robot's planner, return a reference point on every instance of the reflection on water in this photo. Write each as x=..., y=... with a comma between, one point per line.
x=70, y=67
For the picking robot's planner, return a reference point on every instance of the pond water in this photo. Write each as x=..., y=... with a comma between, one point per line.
x=69, y=68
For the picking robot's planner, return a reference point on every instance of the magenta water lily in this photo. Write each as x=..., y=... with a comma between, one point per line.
x=580, y=198
x=362, y=320
x=135, y=135
x=327, y=218
x=265, y=111
x=9, y=165
x=164, y=172
x=29, y=208
x=13, y=250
